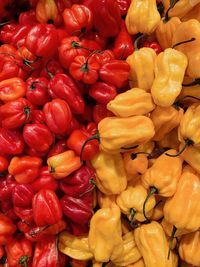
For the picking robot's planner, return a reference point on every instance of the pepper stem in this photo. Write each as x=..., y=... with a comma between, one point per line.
x=76, y=45
x=177, y=103
x=123, y=52
x=23, y=260
x=153, y=190
x=188, y=142
x=172, y=4
x=171, y=240
x=4, y=23
x=47, y=70
x=184, y=42
x=138, y=40
x=195, y=82
x=32, y=86
x=27, y=113
x=134, y=155
x=93, y=137
x=91, y=181
x=132, y=213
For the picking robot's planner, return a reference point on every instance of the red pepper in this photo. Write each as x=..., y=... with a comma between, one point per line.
x=37, y=92
x=92, y=35
x=78, y=210
x=77, y=19
x=25, y=169
x=51, y=68
x=103, y=92
x=46, y=208
x=38, y=136
x=103, y=57
x=28, y=18
x=62, y=86
x=79, y=183
x=16, y=113
x=76, y=140
x=5, y=8
x=19, y=252
x=12, y=89
x=3, y=164
x=6, y=230
x=57, y=116
x=74, y=124
x=33, y=3
x=123, y=6
x=78, y=263
x=154, y=45
x=115, y=72
x=38, y=116
x=42, y=40
x=85, y=69
x=123, y=46
x=7, y=32
x=8, y=210
x=11, y=142
x=25, y=214
x=78, y=229
x=22, y=195
x=57, y=148
x=100, y=112
x=7, y=185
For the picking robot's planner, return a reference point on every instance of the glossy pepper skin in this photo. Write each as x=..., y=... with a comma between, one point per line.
x=181, y=8
x=7, y=146
x=74, y=246
x=135, y=101
x=7, y=229
x=105, y=231
x=192, y=69
x=147, y=238
x=102, y=92
x=142, y=16
x=25, y=169
x=22, y=195
x=46, y=208
x=167, y=84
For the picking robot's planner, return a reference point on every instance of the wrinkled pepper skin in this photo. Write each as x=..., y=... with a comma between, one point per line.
x=76, y=247
x=192, y=156
x=142, y=16
x=7, y=229
x=194, y=13
x=170, y=68
x=7, y=146
x=116, y=133
x=153, y=245
x=168, y=227
x=110, y=173
x=182, y=210
x=188, y=247
x=135, y=101
x=182, y=7
x=139, y=74
x=105, y=234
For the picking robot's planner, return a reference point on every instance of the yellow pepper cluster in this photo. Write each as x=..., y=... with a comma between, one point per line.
x=148, y=167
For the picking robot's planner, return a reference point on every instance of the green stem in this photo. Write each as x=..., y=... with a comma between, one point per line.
x=134, y=155
x=91, y=181
x=123, y=52
x=153, y=190
x=184, y=42
x=32, y=86
x=76, y=45
x=23, y=260
x=171, y=240
x=188, y=142
x=93, y=137
x=138, y=40
x=132, y=213
x=27, y=112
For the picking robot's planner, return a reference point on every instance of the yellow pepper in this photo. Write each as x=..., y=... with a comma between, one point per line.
x=189, y=248
x=192, y=156
x=193, y=90
x=193, y=64
x=110, y=173
x=158, y=209
x=152, y=243
x=75, y=247
x=165, y=119
x=139, y=263
x=170, y=66
x=135, y=101
x=185, y=264
x=165, y=31
x=105, y=201
x=170, y=140
x=138, y=61
x=142, y=16
x=168, y=228
x=194, y=13
x=131, y=202
x=131, y=253
x=182, y=210
x=105, y=234
x=126, y=227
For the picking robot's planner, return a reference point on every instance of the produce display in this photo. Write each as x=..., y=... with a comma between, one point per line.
x=100, y=133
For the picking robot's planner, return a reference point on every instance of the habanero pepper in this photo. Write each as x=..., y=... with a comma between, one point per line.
x=11, y=142
x=7, y=185
x=154, y=45
x=3, y=165
x=77, y=229
x=57, y=148
x=123, y=6
x=38, y=116
x=28, y=17
x=50, y=67
x=22, y=195
x=100, y=112
x=104, y=56
x=7, y=229
x=102, y=92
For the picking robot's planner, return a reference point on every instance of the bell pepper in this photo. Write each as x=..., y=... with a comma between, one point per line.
x=135, y=101
x=25, y=169
x=115, y=72
x=131, y=253
x=62, y=165
x=16, y=113
x=46, y=208
x=38, y=136
x=3, y=164
x=79, y=183
x=165, y=119
x=22, y=195
x=65, y=88
x=77, y=19
x=11, y=142
x=7, y=229
x=123, y=46
x=19, y=252
x=107, y=17
x=74, y=247
x=100, y=112
x=47, y=12
x=142, y=16
x=40, y=38
x=147, y=238
x=37, y=92
x=12, y=89
x=165, y=90
x=57, y=115
x=111, y=177
x=188, y=246
x=78, y=210
x=105, y=236
x=102, y=92
x=85, y=69
x=160, y=179
x=139, y=73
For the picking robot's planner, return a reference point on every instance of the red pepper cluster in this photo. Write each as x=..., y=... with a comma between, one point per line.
x=61, y=62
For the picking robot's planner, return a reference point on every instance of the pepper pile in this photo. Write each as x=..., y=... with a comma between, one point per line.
x=99, y=133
